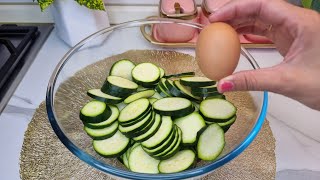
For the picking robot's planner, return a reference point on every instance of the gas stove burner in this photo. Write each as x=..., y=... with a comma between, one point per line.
x=16, y=44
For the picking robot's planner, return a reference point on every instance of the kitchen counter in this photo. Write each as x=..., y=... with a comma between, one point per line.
x=295, y=127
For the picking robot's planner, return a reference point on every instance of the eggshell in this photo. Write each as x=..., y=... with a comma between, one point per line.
x=218, y=50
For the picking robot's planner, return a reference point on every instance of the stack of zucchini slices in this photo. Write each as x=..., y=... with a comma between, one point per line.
x=157, y=123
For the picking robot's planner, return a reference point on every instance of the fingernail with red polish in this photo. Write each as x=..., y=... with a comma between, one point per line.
x=226, y=86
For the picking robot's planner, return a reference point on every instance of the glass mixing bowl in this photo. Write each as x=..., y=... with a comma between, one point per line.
x=85, y=67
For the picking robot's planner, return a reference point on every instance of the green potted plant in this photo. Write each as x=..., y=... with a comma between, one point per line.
x=76, y=19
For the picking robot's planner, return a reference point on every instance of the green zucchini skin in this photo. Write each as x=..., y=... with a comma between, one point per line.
x=186, y=82
x=226, y=125
x=116, y=91
x=137, y=119
x=108, y=122
x=219, y=96
x=103, y=99
x=139, y=139
x=174, y=150
x=185, y=74
x=97, y=119
x=95, y=137
x=161, y=91
x=164, y=145
x=205, y=95
x=174, y=90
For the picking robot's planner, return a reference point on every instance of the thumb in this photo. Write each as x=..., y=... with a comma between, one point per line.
x=268, y=79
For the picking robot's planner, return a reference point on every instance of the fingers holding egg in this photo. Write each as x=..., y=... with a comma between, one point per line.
x=218, y=50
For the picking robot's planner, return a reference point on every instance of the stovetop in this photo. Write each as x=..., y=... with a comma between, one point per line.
x=19, y=45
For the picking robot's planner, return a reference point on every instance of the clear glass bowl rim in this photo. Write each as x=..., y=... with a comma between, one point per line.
x=132, y=175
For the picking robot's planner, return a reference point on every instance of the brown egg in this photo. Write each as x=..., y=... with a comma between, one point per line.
x=218, y=50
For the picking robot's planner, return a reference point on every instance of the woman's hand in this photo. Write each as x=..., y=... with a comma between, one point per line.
x=296, y=34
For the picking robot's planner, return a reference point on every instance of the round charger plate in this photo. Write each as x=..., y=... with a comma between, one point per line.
x=43, y=156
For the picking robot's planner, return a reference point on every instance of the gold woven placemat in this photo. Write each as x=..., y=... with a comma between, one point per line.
x=43, y=156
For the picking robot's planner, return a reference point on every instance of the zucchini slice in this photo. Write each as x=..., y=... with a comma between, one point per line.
x=172, y=145
x=205, y=89
x=95, y=112
x=161, y=135
x=161, y=91
x=100, y=134
x=141, y=162
x=98, y=95
x=185, y=74
x=125, y=160
x=114, y=146
x=190, y=125
x=135, y=121
x=205, y=95
x=134, y=110
x=196, y=81
x=155, y=127
x=186, y=91
x=139, y=95
x=152, y=100
x=173, y=106
x=218, y=96
x=163, y=86
x=181, y=161
x=226, y=125
x=122, y=68
x=163, y=145
x=217, y=110
x=162, y=72
x=174, y=90
x=114, y=116
x=211, y=142
x=146, y=74
x=118, y=86
x=130, y=130
x=174, y=150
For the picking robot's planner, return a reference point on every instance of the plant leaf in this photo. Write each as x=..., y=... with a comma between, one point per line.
x=44, y=4
x=92, y=4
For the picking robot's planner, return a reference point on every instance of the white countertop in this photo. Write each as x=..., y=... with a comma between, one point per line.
x=295, y=127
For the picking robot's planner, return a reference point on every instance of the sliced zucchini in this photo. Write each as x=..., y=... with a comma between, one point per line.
x=162, y=72
x=130, y=130
x=100, y=134
x=211, y=142
x=161, y=91
x=163, y=145
x=174, y=90
x=161, y=135
x=114, y=146
x=134, y=110
x=139, y=95
x=152, y=100
x=118, y=86
x=98, y=95
x=157, y=95
x=95, y=112
x=135, y=121
x=206, y=95
x=146, y=74
x=172, y=145
x=162, y=84
x=173, y=106
x=226, y=125
x=217, y=110
x=121, y=106
x=205, y=89
x=190, y=125
x=155, y=127
x=114, y=116
x=125, y=160
x=181, y=161
x=122, y=68
x=196, y=81
x=172, y=151
x=141, y=162
x=218, y=96
x=185, y=74
x=186, y=91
